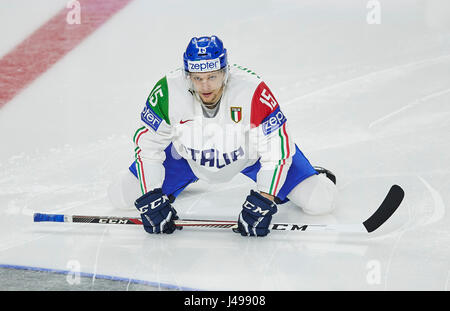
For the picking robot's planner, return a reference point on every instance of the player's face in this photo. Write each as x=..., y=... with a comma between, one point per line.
x=208, y=85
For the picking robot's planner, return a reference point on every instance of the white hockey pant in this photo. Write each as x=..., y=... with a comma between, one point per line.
x=124, y=190
x=316, y=195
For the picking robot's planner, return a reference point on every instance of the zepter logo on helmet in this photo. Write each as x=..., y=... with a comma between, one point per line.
x=204, y=65
x=205, y=54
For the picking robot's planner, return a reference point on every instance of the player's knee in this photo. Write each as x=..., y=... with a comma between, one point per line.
x=124, y=190
x=322, y=200
x=316, y=195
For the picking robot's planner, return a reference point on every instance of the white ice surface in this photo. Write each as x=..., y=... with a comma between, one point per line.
x=370, y=102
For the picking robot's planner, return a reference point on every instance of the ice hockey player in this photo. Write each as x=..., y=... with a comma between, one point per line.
x=211, y=121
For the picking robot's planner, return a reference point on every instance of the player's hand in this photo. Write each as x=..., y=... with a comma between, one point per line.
x=256, y=215
x=157, y=214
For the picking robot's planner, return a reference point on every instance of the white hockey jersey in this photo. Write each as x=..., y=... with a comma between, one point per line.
x=249, y=126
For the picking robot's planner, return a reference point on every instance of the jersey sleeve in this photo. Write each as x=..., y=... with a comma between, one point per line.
x=153, y=135
x=274, y=145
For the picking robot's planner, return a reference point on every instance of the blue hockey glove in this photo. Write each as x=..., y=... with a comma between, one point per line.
x=256, y=215
x=157, y=214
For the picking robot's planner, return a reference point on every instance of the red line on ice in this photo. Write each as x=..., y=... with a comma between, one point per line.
x=49, y=43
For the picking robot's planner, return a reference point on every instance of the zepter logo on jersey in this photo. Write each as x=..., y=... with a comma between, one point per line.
x=273, y=122
x=149, y=117
x=204, y=65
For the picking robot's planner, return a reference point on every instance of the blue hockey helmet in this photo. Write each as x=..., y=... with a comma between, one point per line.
x=205, y=54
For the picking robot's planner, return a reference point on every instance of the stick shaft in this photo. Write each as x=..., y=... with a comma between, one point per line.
x=389, y=205
x=219, y=224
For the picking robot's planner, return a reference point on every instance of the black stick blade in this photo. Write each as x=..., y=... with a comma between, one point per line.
x=387, y=208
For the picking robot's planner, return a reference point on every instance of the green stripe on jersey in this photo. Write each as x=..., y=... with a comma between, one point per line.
x=139, y=130
x=278, y=167
x=283, y=153
x=246, y=70
x=272, y=184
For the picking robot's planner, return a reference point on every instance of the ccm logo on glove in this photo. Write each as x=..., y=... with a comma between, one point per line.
x=157, y=215
x=154, y=204
x=254, y=208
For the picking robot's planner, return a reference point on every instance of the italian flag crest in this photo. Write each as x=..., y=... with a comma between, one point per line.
x=236, y=114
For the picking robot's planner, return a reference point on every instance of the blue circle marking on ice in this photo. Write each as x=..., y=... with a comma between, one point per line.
x=101, y=276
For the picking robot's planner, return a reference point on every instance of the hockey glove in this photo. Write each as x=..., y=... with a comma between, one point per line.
x=256, y=215
x=156, y=212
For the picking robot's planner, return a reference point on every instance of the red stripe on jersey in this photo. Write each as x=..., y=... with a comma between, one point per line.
x=141, y=170
x=288, y=151
x=278, y=178
x=139, y=136
x=263, y=103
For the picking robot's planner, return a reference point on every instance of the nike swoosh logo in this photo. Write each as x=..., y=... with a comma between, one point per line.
x=182, y=122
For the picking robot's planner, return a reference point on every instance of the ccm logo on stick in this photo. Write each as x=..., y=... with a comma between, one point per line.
x=284, y=227
x=112, y=221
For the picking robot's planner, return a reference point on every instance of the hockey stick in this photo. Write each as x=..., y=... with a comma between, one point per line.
x=389, y=205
